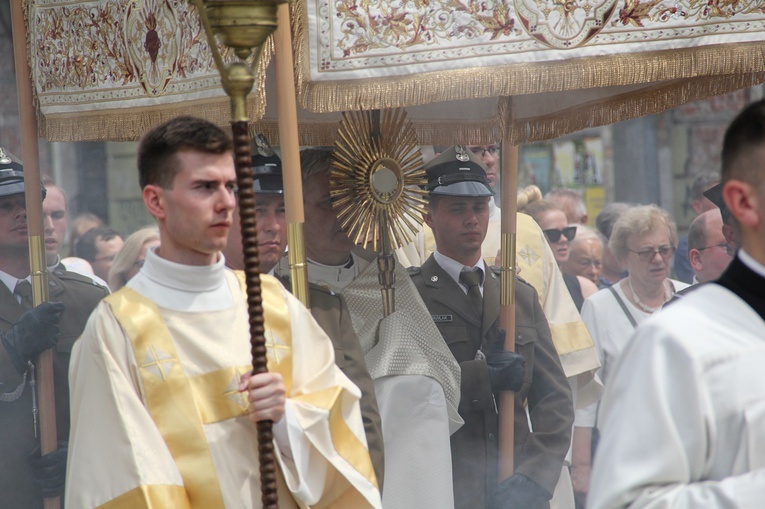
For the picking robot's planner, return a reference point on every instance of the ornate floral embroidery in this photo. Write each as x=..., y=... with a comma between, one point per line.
x=363, y=37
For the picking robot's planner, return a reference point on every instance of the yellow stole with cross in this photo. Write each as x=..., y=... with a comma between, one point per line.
x=180, y=405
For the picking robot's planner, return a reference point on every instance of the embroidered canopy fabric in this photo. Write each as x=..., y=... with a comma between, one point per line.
x=535, y=68
x=110, y=69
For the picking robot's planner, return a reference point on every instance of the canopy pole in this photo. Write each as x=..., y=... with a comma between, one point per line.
x=509, y=186
x=288, y=143
x=33, y=194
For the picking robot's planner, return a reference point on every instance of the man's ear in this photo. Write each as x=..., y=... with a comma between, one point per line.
x=742, y=201
x=694, y=257
x=154, y=199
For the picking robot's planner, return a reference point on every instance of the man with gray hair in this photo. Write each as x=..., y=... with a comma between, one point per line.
x=707, y=248
x=612, y=270
x=700, y=203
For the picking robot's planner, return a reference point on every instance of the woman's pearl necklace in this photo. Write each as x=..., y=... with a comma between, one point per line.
x=644, y=307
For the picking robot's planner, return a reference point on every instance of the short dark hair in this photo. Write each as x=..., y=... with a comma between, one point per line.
x=696, y=232
x=316, y=161
x=701, y=183
x=86, y=244
x=607, y=217
x=157, y=164
x=745, y=134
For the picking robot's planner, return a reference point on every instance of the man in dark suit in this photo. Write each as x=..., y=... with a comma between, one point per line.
x=462, y=295
x=328, y=308
x=27, y=477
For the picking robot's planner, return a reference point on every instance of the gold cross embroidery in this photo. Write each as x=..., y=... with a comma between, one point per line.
x=274, y=347
x=529, y=255
x=232, y=391
x=158, y=362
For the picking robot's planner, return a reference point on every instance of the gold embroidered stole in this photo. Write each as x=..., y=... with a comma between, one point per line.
x=180, y=404
x=345, y=442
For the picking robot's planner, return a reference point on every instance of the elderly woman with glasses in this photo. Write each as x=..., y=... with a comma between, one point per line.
x=643, y=240
x=559, y=234
x=130, y=258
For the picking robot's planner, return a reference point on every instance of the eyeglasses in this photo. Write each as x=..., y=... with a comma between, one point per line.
x=480, y=151
x=721, y=244
x=553, y=234
x=648, y=255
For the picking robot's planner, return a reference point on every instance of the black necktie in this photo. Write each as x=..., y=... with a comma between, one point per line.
x=472, y=279
x=24, y=290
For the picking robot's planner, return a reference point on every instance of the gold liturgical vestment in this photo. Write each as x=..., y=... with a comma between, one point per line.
x=158, y=421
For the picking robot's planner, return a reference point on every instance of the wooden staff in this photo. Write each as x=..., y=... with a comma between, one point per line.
x=244, y=26
x=33, y=194
x=244, y=180
x=288, y=142
x=509, y=180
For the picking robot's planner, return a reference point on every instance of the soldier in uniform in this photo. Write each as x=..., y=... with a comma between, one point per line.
x=462, y=294
x=27, y=477
x=327, y=307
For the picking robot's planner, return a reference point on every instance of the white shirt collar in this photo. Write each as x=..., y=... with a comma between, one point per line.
x=187, y=278
x=453, y=268
x=336, y=276
x=184, y=287
x=11, y=281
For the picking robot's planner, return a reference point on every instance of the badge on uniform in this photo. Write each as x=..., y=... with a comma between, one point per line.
x=441, y=318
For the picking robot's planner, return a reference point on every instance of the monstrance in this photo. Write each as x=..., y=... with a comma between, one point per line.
x=376, y=187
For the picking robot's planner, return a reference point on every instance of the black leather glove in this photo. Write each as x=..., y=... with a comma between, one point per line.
x=49, y=471
x=506, y=369
x=519, y=492
x=34, y=332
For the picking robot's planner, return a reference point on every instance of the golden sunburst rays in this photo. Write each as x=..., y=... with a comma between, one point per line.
x=376, y=179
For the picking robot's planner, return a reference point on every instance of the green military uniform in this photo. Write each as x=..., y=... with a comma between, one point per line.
x=538, y=455
x=467, y=315
x=331, y=313
x=80, y=296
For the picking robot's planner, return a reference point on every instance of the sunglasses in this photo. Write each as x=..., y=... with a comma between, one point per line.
x=553, y=234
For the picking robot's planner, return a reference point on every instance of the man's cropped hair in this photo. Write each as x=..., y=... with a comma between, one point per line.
x=743, y=137
x=157, y=164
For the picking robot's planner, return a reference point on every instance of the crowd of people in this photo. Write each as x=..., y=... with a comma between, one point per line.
x=633, y=379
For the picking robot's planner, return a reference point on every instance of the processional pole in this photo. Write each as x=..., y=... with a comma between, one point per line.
x=509, y=180
x=33, y=195
x=244, y=25
x=290, y=148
